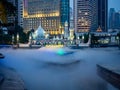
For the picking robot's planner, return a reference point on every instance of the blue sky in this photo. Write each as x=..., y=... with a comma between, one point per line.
x=111, y=4
x=114, y=4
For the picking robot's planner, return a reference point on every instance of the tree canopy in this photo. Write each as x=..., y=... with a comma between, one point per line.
x=9, y=7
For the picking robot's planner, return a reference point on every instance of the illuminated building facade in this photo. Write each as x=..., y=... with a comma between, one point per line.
x=89, y=15
x=51, y=14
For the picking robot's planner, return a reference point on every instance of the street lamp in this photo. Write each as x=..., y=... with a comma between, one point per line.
x=13, y=39
x=83, y=39
x=17, y=40
x=30, y=39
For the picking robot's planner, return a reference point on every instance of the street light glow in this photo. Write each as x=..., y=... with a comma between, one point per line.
x=60, y=52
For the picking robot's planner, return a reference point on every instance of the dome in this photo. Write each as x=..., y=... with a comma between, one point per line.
x=39, y=33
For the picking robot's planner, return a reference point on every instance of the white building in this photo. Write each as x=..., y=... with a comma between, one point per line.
x=39, y=33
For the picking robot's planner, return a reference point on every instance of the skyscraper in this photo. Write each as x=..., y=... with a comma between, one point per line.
x=89, y=15
x=114, y=19
x=20, y=13
x=102, y=14
x=111, y=18
x=117, y=20
x=51, y=14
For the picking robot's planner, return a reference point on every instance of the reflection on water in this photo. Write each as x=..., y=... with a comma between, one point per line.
x=43, y=69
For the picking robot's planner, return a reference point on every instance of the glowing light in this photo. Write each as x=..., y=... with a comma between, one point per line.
x=60, y=52
x=41, y=15
x=54, y=46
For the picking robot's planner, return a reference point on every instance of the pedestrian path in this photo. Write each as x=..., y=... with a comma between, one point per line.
x=10, y=80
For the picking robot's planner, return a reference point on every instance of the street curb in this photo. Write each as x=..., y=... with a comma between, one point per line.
x=1, y=79
x=10, y=79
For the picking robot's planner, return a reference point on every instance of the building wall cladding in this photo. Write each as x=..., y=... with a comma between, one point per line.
x=114, y=19
x=64, y=11
x=48, y=13
x=89, y=15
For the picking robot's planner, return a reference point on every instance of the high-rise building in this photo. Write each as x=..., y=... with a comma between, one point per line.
x=20, y=13
x=51, y=14
x=102, y=14
x=117, y=20
x=111, y=18
x=89, y=15
x=114, y=19
x=71, y=18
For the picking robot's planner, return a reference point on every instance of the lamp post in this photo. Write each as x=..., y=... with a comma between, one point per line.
x=18, y=40
x=31, y=37
x=13, y=39
x=83, y=38
x=30, y=40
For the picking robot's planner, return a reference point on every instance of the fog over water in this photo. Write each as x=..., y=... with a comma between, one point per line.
x=44, y=69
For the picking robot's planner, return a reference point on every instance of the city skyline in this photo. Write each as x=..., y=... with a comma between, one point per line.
x=111, y=4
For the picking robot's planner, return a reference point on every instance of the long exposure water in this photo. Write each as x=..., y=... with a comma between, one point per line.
x=45, y=69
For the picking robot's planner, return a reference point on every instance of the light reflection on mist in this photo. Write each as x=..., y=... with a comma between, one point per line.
x=43, y=69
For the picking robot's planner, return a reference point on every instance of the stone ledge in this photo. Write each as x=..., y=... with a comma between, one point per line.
x=10, y=80
x=109, y=75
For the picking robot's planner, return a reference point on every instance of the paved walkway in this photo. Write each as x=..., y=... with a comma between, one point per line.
x=10, y=80
x=110, y=73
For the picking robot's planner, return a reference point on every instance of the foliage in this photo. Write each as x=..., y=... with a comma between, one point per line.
x=86, y=37
x=22, y=35
x=94, y=39
x=9, y=7
x=5, y=39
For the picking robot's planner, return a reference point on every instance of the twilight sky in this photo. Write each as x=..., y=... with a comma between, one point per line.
x=111, y=4
x=114, y=4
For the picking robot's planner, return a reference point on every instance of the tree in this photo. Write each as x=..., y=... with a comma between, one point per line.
x=86, y=37
x=94, y=39
x=22, y=35
x=9, y=7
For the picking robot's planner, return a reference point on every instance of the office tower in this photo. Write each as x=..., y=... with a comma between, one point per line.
x=117, y=20
x=102, y=14
x=114, y=19
x=111, y=18
x=89, y=15
x=20, y=13
x=50, y=14
x=71, y=18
